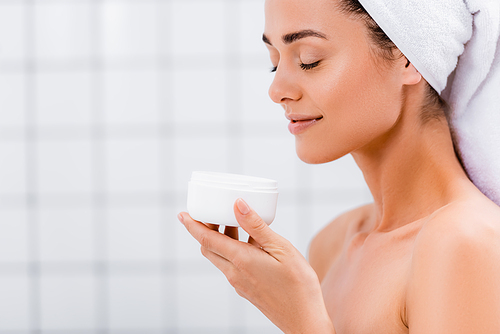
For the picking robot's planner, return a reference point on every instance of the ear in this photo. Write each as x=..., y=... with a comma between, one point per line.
x=410, y=74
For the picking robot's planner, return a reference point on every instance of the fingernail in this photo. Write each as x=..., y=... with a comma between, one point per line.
x=242, y=206
x=181, y=219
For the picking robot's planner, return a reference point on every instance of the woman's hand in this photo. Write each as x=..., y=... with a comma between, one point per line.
x=268, y=271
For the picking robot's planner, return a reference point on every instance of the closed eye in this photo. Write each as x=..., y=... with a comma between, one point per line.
x=273, y=69
x=310, y=66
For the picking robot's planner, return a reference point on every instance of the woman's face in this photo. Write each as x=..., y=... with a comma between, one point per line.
x=339, y=95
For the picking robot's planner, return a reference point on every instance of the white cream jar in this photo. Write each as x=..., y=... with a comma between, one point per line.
x=211, y=197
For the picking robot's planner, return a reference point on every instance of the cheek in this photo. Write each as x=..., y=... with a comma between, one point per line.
x=361, y=100
x=359, y=106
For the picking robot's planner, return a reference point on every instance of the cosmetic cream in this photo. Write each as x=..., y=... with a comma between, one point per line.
x=211, y=197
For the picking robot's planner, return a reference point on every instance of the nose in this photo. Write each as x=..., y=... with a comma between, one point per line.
x=284, y=88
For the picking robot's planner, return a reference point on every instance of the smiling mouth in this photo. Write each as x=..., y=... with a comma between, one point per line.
x=305, y=120
x=297, y=126
x=297, y=117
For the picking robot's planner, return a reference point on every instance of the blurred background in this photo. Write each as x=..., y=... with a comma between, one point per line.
x=106, y=107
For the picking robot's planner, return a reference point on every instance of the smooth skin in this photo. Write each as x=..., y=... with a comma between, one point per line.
x=424, y=257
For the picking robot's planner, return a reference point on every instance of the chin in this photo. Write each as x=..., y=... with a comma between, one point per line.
x=316, y=155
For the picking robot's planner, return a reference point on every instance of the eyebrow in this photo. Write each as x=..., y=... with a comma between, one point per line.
x=295, y=36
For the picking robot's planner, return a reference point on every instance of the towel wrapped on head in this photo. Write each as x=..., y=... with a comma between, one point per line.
x=455, y=45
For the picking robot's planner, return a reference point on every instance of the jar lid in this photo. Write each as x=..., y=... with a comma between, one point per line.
x=234, y=181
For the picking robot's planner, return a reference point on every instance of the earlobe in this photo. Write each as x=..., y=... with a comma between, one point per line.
x=410, y=75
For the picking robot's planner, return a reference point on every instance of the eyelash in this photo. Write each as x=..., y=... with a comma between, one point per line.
x=310, y=66
x=303, y=66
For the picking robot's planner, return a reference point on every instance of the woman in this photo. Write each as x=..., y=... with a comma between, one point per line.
x=423, y=258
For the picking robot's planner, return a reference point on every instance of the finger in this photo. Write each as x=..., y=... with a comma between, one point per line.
x=221, y=263
x=213, y=227
x=250, y=221
x=227, y=268
x=252, y=241
x=212, y=240
x=231, y=232
x=210, y=226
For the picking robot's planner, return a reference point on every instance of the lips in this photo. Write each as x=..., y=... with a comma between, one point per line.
x=301, y=117
x=299, y=123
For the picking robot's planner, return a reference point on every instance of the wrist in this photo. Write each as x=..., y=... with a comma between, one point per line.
x=324, y=326
x=316, y=319
x=315, y=324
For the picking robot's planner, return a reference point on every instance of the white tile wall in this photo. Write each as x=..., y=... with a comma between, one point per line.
x=12, y=31
x=106, y=107
x=14, y=303
x=200, y=95
x=129, y=29
x=67, y=302
x=13, y=241
x=131, y=97
x=198, y=28
x=63, y=98
x=134, y=234
x=199, y=153
x=62, y=30
x=255, y=103
x=204, y=301
x=251, y=26
x=12, y=99
x=135, y=302
x=65, y=235
x=64, y=166
x=271, y=157
x=13, y=167
x=132, y=165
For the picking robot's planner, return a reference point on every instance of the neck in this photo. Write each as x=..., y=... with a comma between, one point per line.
x=412, y=171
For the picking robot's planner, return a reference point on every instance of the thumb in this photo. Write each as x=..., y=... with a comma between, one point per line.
x=255, y=226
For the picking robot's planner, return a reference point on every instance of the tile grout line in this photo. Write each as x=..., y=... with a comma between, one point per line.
x=234, y=126
x=166, y=138
x=30, y=69
x=99, y=201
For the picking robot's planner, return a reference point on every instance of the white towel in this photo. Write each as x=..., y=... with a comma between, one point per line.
x=455, y=45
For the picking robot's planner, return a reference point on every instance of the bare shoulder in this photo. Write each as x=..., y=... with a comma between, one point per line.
x=473, y=221
x=327, y=245
x=455, y=270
